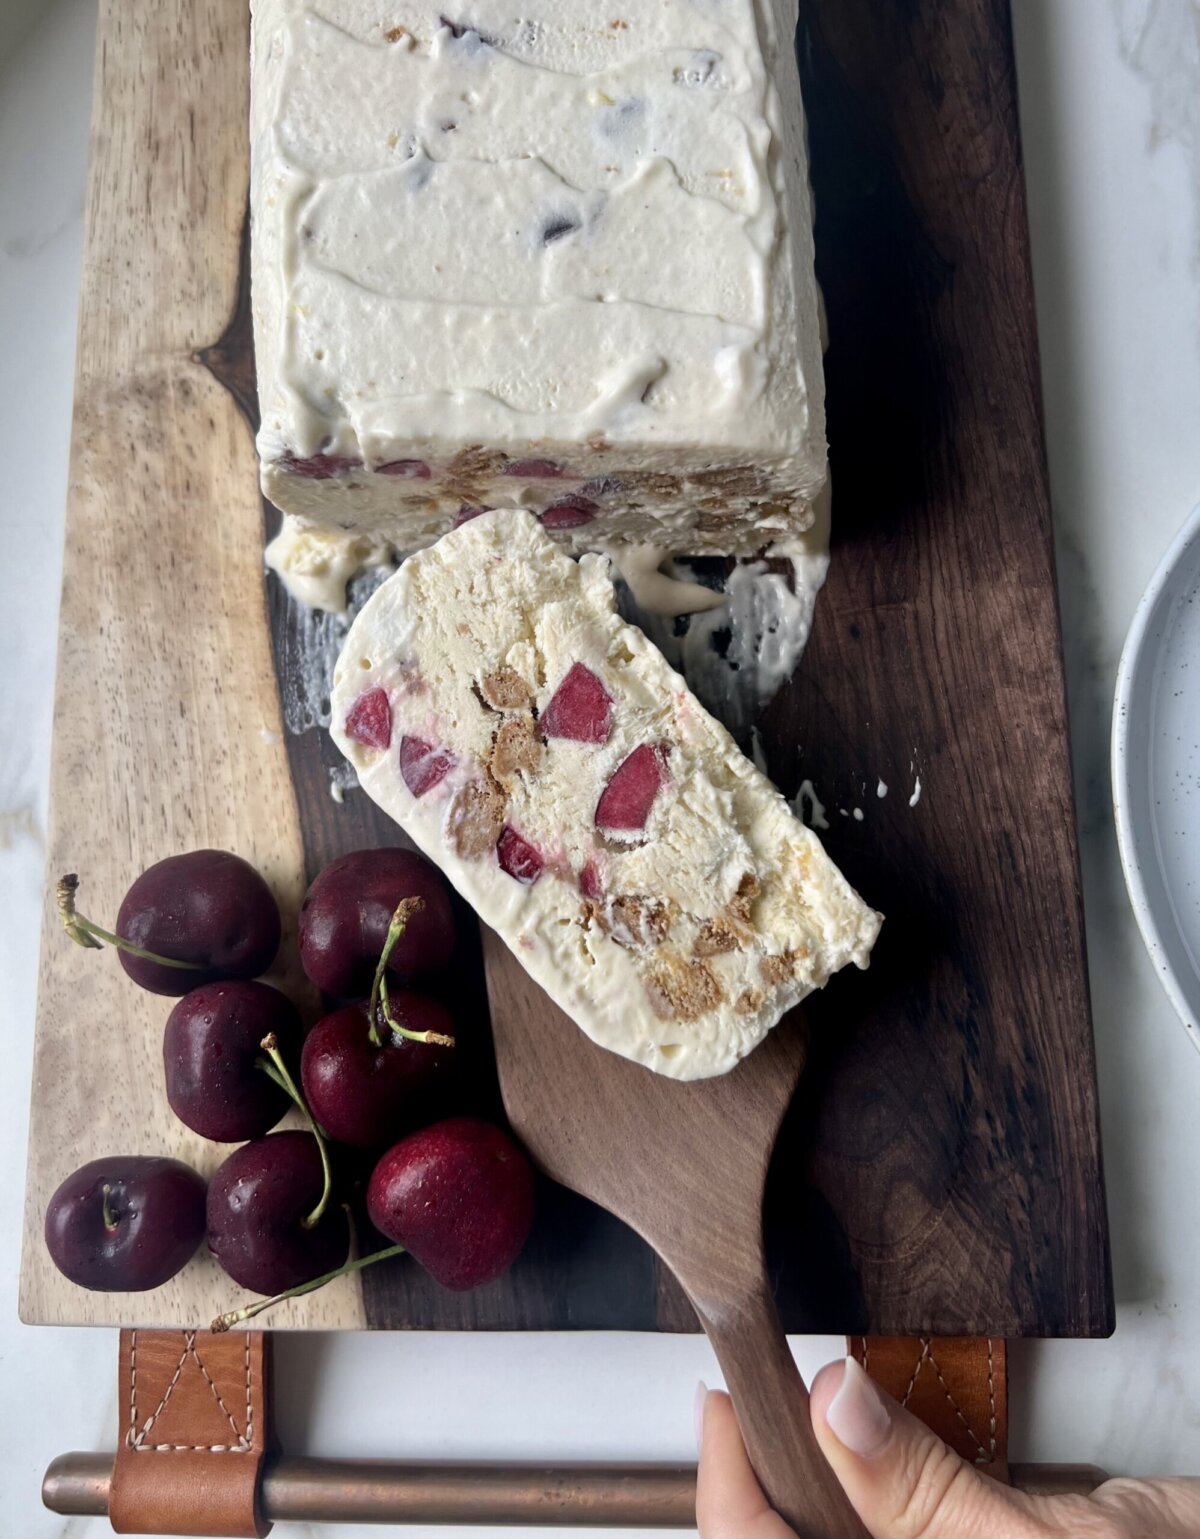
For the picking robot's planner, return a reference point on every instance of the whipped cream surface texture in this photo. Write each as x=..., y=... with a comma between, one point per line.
x=559, y=259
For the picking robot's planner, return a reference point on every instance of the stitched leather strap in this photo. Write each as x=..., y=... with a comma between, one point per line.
x=193, y=1410
x=957, y=1385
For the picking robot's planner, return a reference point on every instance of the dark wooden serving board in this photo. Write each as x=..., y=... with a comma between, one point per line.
x=940, y=1171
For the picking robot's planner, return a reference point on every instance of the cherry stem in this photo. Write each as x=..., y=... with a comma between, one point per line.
x=226, y=1322
x=110, y=1218
x=278, y=1071
x=84, y=933
x=405, y=909
x=436, y=1037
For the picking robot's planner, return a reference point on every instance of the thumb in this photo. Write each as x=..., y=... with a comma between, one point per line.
x=902, y=1480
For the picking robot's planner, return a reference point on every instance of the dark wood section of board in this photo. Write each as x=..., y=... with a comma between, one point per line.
x=940, y=1169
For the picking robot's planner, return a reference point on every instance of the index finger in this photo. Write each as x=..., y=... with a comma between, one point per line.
x=729, y=1500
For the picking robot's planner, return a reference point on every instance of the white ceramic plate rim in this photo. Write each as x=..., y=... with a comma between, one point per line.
x=1137, y=672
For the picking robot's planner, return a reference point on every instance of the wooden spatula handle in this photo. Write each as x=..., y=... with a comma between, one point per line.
x=771, y=1402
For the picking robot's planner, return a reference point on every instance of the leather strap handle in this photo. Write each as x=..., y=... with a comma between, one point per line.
x=194, y=1414
x=957, y=1385
x=194, y=1420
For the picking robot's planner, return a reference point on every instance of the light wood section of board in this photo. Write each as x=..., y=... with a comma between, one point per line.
x=167, y=729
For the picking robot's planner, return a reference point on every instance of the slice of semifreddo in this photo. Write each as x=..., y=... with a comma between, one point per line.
x=569, y=784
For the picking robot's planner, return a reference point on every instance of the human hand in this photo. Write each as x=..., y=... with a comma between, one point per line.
x=904, y=1482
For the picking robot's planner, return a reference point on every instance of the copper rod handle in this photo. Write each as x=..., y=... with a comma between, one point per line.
x=562, y=1496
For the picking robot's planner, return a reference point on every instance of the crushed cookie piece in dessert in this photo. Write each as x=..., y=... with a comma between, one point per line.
x=778, y=969
x=682, y=990
x=717, y=936
x=475, y=461
x=476, y=818
x=517, y=749
x=742, y=902
x=740, y=480
x=714, y=523
x=652, y=483
x=506, y=690
x=748, y=1001
x=591, y=913
x=639, y=921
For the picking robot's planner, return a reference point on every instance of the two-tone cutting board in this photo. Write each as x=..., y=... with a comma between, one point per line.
x=941, y=1170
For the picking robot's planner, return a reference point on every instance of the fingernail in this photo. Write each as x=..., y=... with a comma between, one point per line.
x=698, y=1412
x=858, y=1415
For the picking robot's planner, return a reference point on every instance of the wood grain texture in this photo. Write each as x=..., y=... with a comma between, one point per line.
x=167, y=730
x=952, y=1134
x=940, y=1169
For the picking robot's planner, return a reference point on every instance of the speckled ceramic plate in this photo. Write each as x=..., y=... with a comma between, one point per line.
x=1156, y=770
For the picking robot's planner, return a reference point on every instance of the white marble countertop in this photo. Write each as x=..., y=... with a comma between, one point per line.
x=1111, y=112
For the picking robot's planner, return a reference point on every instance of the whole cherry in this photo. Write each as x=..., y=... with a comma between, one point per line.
x=213, y=1058
x=187, y=920
x=126, y=1223
x=347, y=911
x=365, y=1088
x=267, y=1225
x=458, y=1196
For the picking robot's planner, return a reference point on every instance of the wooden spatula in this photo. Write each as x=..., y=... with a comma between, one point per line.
x=685, y=1166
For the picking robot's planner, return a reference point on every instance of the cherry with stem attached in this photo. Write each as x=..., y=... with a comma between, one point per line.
x=88, y=934
x=186, y=920
x=275, y=1068
x=379, y=1002
x=457, y=1196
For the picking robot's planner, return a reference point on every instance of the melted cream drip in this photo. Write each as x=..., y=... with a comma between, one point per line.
x=737, y=657
x=315, y=565
x=655, y=591
x=807, y=793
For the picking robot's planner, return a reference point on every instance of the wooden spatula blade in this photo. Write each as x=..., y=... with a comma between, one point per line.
x=685, y=1166
x=644, y=1146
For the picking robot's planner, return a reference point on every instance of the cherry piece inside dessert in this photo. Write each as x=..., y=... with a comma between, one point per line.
x=369, y=720
x=626, y=800
x=518, y=857
x=422, y=765
x=580, y=708
x=569, y=512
